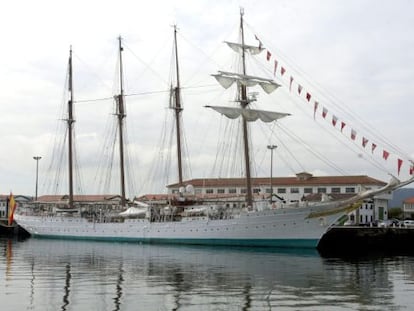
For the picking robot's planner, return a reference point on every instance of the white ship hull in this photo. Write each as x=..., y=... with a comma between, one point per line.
x=275, y=227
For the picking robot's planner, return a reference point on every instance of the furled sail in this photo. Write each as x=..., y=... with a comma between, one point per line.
x=249, y=115
x=226, y=79
x=237, y=47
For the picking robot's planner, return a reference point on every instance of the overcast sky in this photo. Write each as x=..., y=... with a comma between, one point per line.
x=355, y=57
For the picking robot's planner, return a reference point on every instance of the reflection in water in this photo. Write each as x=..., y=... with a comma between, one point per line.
x=32, y=284
x=9, y=256
x=118, y=291
x=66, y=292
x=248, y=300
x=116, y=276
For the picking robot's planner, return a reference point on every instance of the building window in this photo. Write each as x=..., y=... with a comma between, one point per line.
x=198, y=191
x=220, y=191
x=350, y=189
x=256, y=190
x=294, y=190
x=243, y=190
x=335, y=190
x=268, y=190
x=321, y=190
x=174, y=191
x=281, y=190
x=308, y=190
x=209, y=191
x=232, y=190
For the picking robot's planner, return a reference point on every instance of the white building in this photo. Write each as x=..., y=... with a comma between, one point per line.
x=408, y=208
x=304, y=186
x=4, y=204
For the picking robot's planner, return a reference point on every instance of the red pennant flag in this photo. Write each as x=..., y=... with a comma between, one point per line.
x=308, y=96
x=315, y=107
x=299, y=88
x=373, y=147
x=342, y=126
x=324, y=112
x=282, y=70
x=400, y=162
x=385, y=154
x=274, y=72
x=364, y=142
x=353, y=134
x=334, y=120
x=268, y=55
x=290, y=85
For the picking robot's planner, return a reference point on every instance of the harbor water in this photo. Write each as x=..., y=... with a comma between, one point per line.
x=41, y=274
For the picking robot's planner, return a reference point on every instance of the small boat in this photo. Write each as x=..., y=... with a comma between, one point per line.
x=7, y=225
x=6, y=229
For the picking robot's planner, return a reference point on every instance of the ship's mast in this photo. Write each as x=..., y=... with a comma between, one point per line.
x=177, y=107
x=70, y=122
x=227, y=79
x=120, y=113
x=244, y=102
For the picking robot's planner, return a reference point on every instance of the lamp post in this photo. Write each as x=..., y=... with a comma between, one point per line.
x=271, y=147
x=37, y=158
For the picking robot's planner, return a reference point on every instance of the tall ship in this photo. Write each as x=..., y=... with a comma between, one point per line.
x=253, y=223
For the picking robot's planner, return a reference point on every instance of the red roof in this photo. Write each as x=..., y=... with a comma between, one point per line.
x=409, y=200
x=283, y=181
x=153, y=197
x=77, y=198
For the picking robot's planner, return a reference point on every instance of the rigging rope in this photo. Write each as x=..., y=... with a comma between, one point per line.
x=337, y=137
x=324, y=96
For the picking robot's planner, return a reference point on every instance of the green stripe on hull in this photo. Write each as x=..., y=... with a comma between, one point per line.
x=282, y=243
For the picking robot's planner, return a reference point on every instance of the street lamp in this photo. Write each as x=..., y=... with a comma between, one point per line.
x=271, y=147
x=37, y=158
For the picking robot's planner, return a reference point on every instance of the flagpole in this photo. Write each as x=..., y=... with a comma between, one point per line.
x=37, y=158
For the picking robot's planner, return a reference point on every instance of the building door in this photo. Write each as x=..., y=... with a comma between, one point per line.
x=380, y=213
